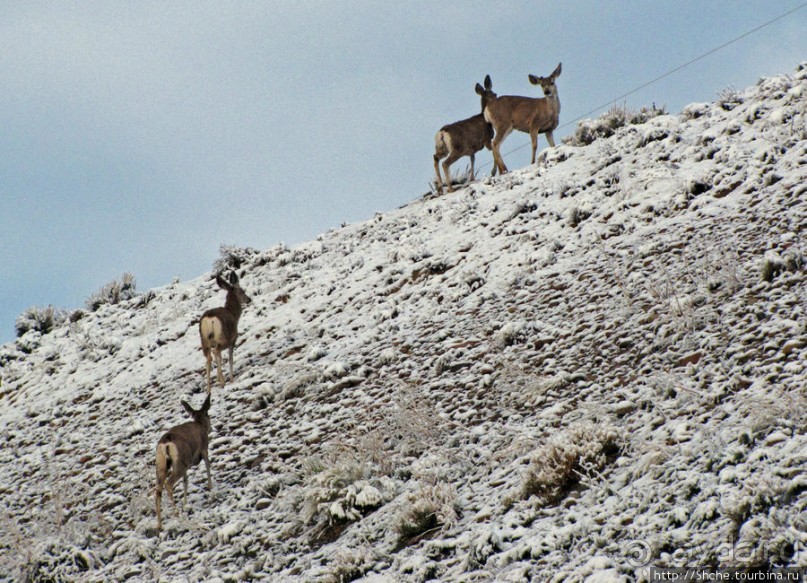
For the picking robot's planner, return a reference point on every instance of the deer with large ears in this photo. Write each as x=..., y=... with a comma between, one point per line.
x=461, y=138
x=178, y=450
x=218, y=327
x=525, y=114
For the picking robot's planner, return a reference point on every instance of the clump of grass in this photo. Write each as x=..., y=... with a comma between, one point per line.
x=114, y=292
x=431, y=509
x=232, y=257
x=341, y=490
x=350, y=564
x=581, y=450
x=459, y=179
x=591, y=130
x=729, y=98
x=577, y=215
x=42, y=320
x=774, y=264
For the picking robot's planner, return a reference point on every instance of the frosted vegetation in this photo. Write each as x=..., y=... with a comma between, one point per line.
x=566, y=373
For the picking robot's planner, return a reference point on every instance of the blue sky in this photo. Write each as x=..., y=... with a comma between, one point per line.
x=139, y=137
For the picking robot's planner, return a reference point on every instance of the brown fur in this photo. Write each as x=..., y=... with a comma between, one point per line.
x=525, y=114
x=218, y=327
x=179, y=449
x=461, y=138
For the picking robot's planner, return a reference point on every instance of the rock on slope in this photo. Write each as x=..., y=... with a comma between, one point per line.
x=569, y=372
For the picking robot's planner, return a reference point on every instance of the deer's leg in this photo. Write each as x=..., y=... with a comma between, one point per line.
x=489, y=146
x=550, y=138
x=447, y=172
x=219, y=374
x=534, y=140
x=498, y=161
x=207, y=468
x=232, y=376
x=437, y=171
x=158, y=494
x=497, y=155
x=452, y=157
x=473, y=174
x=169, y=487
x=208, y=364
x=185, y=492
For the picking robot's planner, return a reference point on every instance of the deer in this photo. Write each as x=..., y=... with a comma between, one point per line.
x=526, y=114
x=179, y=449
x=461, y=138
x=218, y=327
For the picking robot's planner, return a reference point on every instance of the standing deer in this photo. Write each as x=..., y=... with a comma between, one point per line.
x=218, y=327
x=179, y=449
x=461, y=138
x=525, y=114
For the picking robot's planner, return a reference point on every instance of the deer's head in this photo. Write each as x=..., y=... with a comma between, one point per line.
x=547, y=83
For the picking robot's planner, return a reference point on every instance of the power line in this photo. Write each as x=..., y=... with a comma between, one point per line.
x=675, y=70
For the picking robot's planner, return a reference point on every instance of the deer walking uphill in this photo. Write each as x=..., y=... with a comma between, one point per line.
x=461, y=138
x=179, y=449
x=218, y=327
x=525, y=114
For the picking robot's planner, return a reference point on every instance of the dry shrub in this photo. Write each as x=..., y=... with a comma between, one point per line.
x=591, y=130
x=582, y=449
x=114, y=293
x=431, y=509
x=341, y=490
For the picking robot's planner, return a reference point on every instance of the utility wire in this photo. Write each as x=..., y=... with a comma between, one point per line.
x=675, y=70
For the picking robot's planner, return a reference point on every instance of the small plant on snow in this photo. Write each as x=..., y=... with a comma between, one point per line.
x=536, y=393
x=588, y=131
x=765, y=542
x=55, y=560
x=43, y=320
x=432, y=508
x=458, y=179
x=729, y=98
x=350, y=564
x=58, y=541
x=581, y=450
x=577, y=215
x=765, y=411
x=412, y=426
x=774, y=264
x=510, y=334
x=716, y=271
x=232, y=257
x=27, y=343
x=341, y=490
x=113, y=293
x=316, y=353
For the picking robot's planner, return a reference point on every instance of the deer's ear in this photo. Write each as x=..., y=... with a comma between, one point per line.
x=233, y=278
x=488, y=83
x=556, y=72
x=534, y=80
x=188, y=409
x=479, y=90
x=206, y=405
x=222, y=282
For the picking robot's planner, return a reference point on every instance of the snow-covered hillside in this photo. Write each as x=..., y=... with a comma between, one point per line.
x=569, y=373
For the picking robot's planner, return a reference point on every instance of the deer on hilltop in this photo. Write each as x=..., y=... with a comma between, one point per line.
x=179, y=449
x=525, y=114
x=218, y=327
x=461, y=138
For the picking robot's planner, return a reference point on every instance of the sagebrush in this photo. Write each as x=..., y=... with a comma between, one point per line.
x=580, y=450
x=591, y=130
x=114, y=292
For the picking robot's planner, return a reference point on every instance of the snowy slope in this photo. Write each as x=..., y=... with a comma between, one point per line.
x=567, y=373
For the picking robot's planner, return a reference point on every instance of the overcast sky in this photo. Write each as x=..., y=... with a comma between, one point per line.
x=140, y=136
